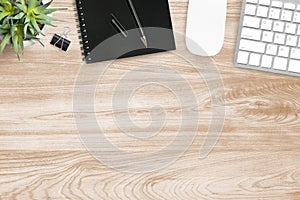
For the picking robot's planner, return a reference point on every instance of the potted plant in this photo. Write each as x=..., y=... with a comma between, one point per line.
x=23, y=20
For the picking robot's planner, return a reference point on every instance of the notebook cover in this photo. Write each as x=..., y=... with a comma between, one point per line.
x=96, y=27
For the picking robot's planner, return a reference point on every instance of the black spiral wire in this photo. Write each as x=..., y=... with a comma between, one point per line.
x=82, y=29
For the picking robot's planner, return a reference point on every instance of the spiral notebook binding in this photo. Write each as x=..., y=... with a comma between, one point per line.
x=82, y=30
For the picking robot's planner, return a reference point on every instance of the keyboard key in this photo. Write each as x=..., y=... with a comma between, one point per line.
x=243, y=57
x=295, y=53
x=252, y=1
x=249, y=33
x=248, y=45
x=255, y=59
x=266, y=61
x=280, y=63
x=298, y=30
x=284, y=51
x=290, y=6
x=298, y=7
x=290, y=28
x=278, y=26
x=251, y=22
x=291, y=40
x=286, y=15
x=274, y=13
x=277, y=4
x=250, y=9
x=294, y=66
x=279, y=38
x=262, y=11
x=266, y=24
x=296, y=18
x=272, y=49
x=265, y=2
x=267, y=36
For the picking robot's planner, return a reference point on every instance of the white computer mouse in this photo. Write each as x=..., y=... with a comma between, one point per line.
x=206, y=26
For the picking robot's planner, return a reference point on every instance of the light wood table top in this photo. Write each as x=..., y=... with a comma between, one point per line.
x=42, y=157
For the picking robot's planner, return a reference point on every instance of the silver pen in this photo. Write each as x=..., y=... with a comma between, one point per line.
x=137, y=20
x=118, y=26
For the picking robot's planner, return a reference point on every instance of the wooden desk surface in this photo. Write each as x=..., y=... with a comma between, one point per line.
x=41, y=156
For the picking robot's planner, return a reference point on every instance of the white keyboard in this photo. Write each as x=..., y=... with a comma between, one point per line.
x=269, y=36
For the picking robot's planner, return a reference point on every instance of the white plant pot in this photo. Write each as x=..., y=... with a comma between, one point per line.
x=28, y=43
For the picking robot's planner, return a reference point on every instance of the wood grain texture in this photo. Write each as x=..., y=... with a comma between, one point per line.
x=42, y=157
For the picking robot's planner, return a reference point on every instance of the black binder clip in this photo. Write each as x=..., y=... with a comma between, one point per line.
x=61, y=41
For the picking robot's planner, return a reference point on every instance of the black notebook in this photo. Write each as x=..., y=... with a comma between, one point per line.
x=103, y=40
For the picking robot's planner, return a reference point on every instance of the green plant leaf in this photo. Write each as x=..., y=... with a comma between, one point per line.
x=31, y=3
x=15, y=44
x=46, y=5
x=5, y=26
x=26, y=29
x=46, y=17
x=27, y=19
x=38, y=40
x=45, y=22
x=35, y=26
x=3, y=31
x=5, y=41
x=21, y=43
x=3, y=15
x=31, y=30
x=13, y=30
x=18, y=16
x=22, y=7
